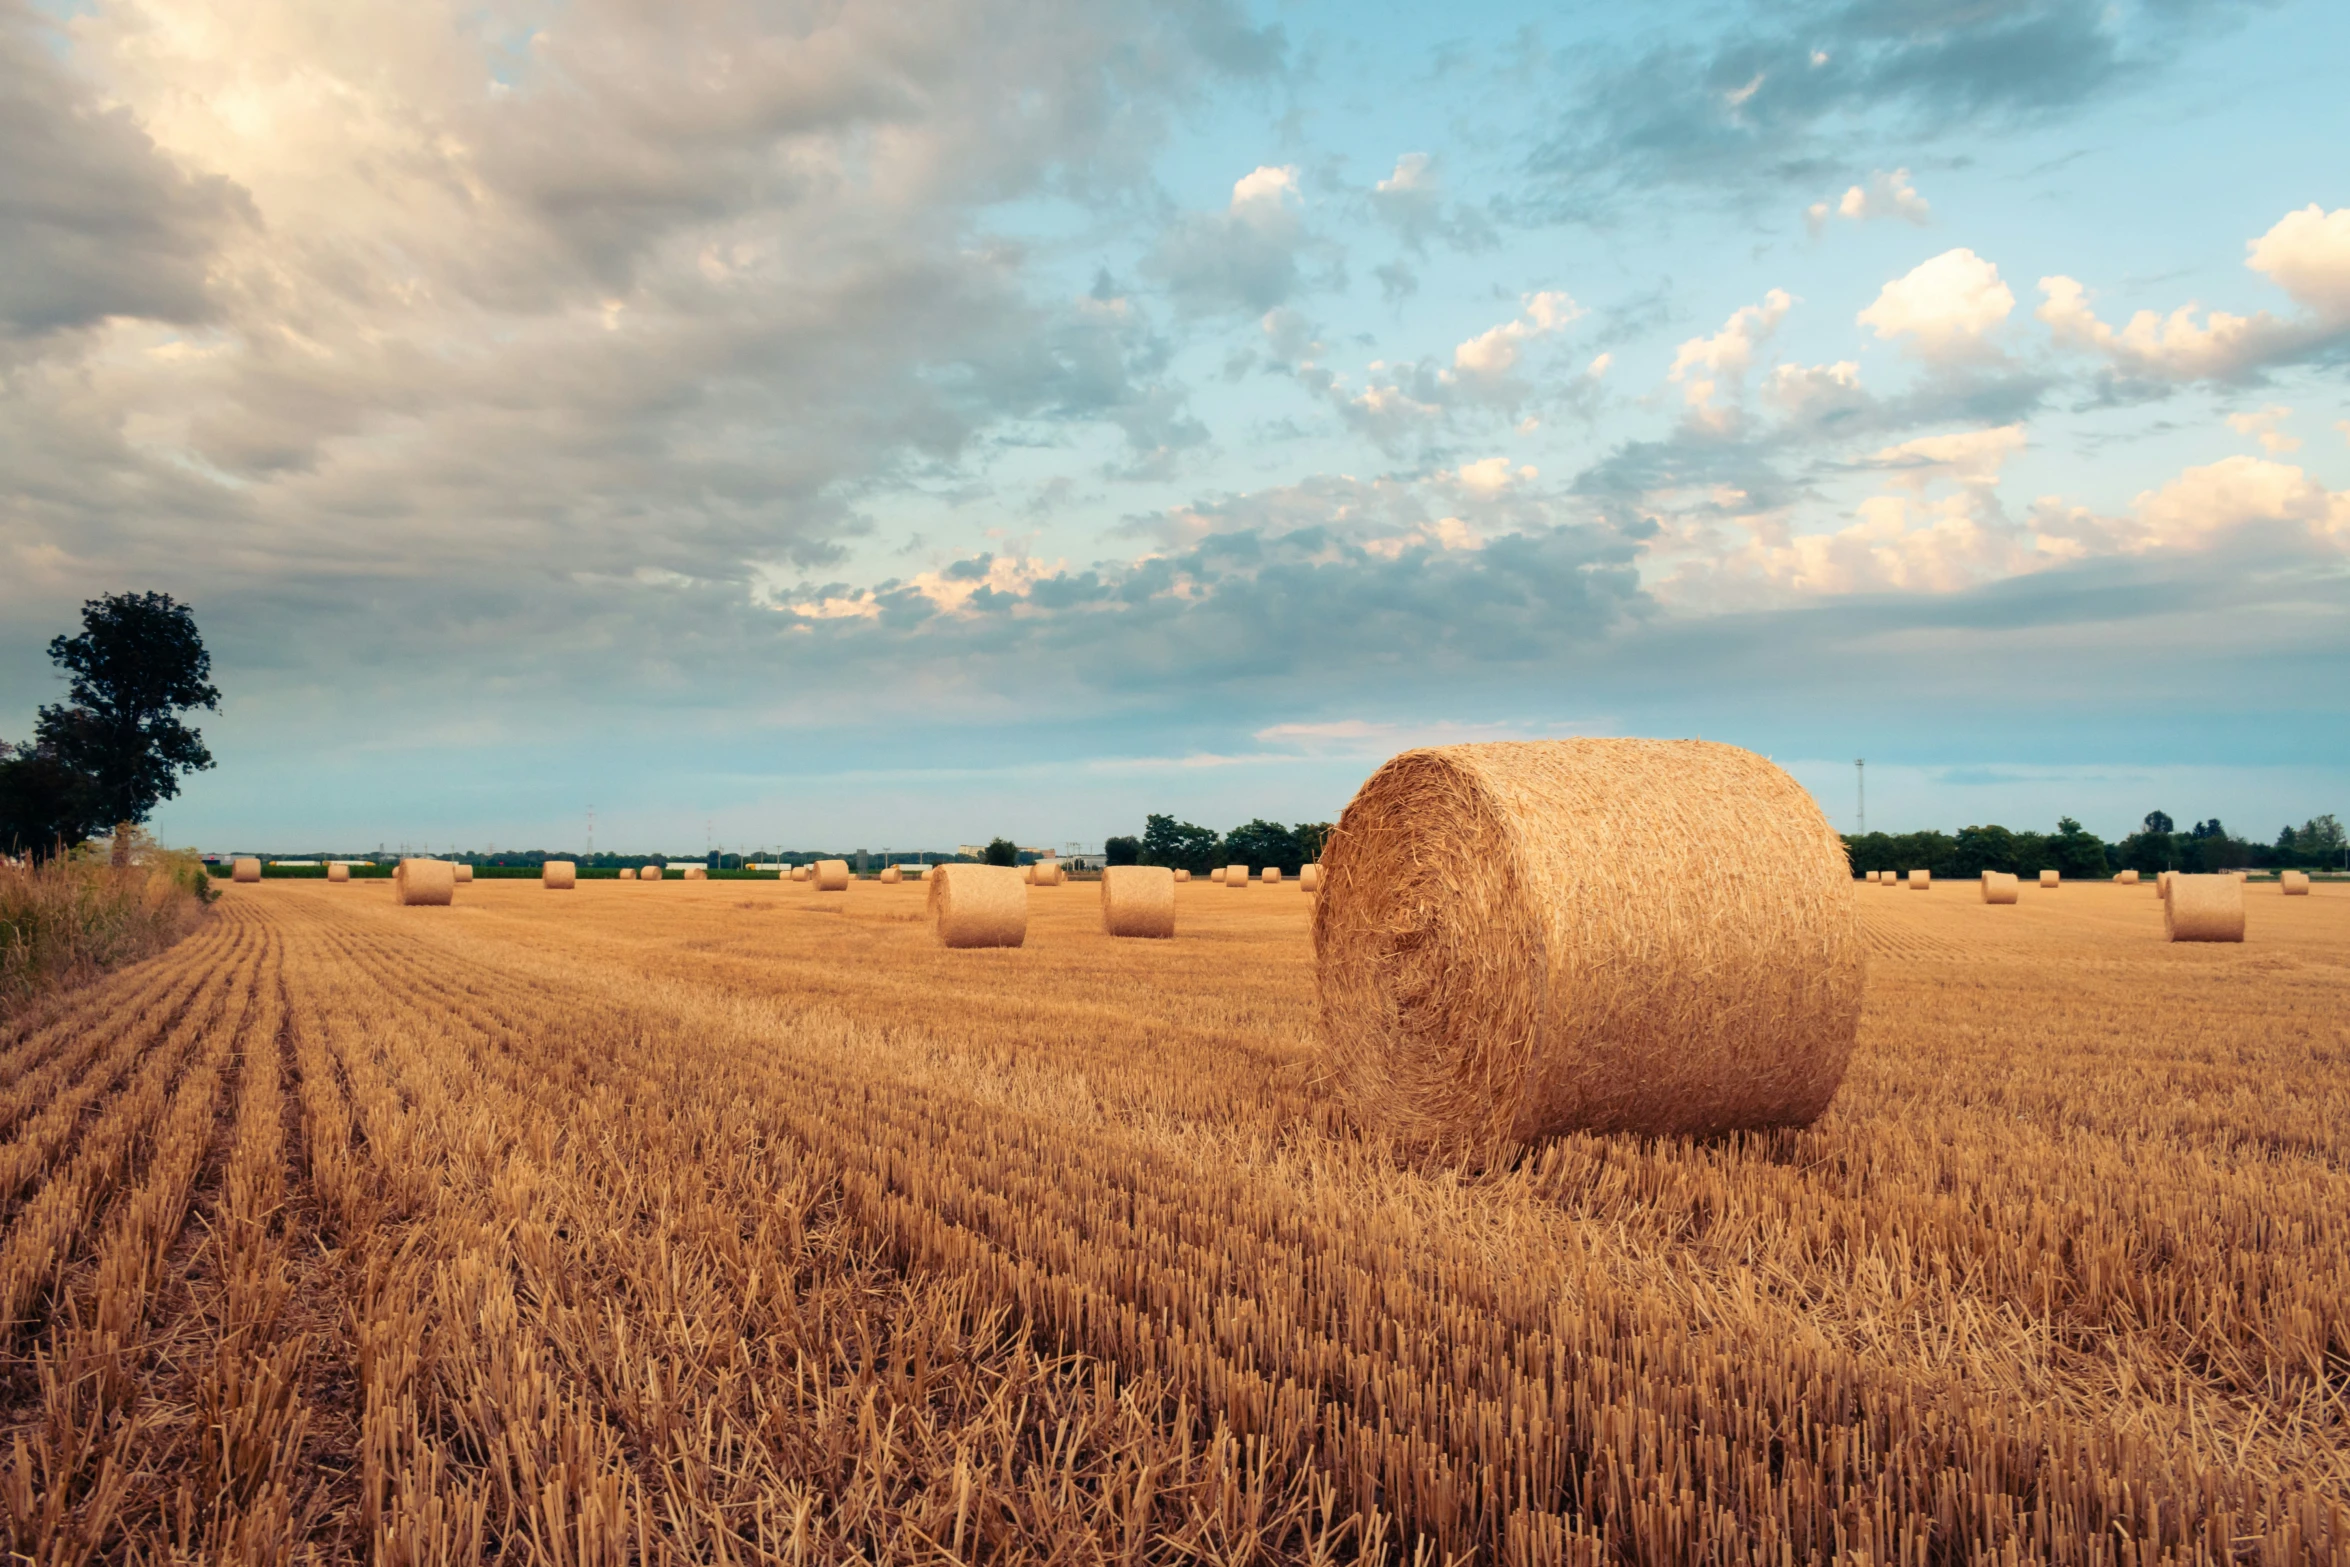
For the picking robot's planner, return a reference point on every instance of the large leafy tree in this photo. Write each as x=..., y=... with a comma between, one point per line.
x=46, y=807
x=138, y=664
x=1178, y=845
x=1261, y=843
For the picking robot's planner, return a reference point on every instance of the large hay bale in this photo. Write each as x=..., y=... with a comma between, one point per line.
x=891, y=875
x=1309, y=877
x=244, y=868
x=832, y=875
x=463, y=872
x=1183, y=875
x=2050, y=881
x=2294, y=884
x=979, y=906
x=2204, y=908
x=1235, y=875
x=649, y=873
x=2162, y=884
x=1138, y=900
x=1921, y=881
x=559, y=875
x=696, y=873
x=1999, y=887
x=424, y=883
x=626, y=874
x=1272, y=876
x=2126, y=878
x=1518, y=939
x=338, y=873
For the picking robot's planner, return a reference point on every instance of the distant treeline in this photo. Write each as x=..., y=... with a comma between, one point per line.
x=2316, y=844
x=1185, y=847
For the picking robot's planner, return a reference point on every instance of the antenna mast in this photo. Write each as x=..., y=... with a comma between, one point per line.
x=1860, y=774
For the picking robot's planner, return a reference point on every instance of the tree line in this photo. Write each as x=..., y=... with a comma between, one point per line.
x=2157, y=845
x=1185, y=846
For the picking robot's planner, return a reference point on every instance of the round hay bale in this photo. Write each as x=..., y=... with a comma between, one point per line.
x=1217, y=875
x=1518, y=939
x=2204, y=908
x=649, y=873
x=338, y=873
x=1889, y=878
x=1921, y=881
x=832, y=875
x=1999, y=887
x=2162, y=884
x=559, y=875
x=891, y=875
x=696, y=873
x=245, y=868
x=626, y=874
x=463, y=872
x=1138, y=900
x=1309, y=878
x=1272, y=876
x=2126, y=878
x=929, y=871
x=2294, y=884
x=2050, y=881
x=424, y=884
x=1235, y=875
x=979, y=906
x=1045, y=873
x=1183, y=875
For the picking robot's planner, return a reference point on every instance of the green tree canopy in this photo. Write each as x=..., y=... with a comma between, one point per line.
x=1178, y=845
x=138, y=664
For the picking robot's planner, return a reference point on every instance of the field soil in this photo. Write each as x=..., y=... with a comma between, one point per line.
x=737, y=1222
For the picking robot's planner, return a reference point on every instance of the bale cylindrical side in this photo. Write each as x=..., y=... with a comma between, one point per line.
x=2294, y=884
x=559, y=875
x=696, y=873
x=2050, y=881
x=832, y=875
x=1138, y=900
x=1216, y=875
x=929, y=871
x=1048, y=873
x=626, y=874
x=463, y=872
x=1517, y=939
x=424, y=883
x=2204, y=908
x=1183, y=875
x=1272, y=876
x=892, y=875
x=649, y=873
x=1309, y=878
x=1890, y=878
x=979, y=906
x=2162, y=884
x=338, y=873
x=2126, y=878
x=1921, y=881
x=1235, y=875
x=245, y=868
x=1999, y=887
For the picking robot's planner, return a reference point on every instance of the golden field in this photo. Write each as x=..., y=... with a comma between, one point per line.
x=737, y=1222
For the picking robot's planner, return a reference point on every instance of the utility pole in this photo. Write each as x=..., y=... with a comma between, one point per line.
x=1860, y=775
x=591, y=848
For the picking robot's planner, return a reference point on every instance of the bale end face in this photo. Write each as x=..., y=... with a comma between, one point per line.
x=245, y=868
x=424, y=883
x=559, y=875
x=1138, y=900
x=832, y=875
x=979, y=906
x=1491, y=968
x=2204, y=908
x=1999, y=887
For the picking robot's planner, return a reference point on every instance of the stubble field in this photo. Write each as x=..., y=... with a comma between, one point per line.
x=728, y=1222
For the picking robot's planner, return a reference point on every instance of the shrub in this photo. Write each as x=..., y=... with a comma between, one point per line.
x=73, y=915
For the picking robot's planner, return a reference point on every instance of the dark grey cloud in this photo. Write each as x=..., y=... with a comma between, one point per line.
x=94, y=222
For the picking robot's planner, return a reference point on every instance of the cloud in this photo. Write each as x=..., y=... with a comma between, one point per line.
x=1884, y=196
x=1969, y=457
x=1405, y=402
x=2264, y=426
x=1708, y=368
x=1244, y=258
x=2307, y=254
x=1946, y=307
x=2204, y=503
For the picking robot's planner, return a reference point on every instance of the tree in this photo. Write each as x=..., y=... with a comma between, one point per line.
x=2078, y=855
x=46, y=807
x=2159, y=824
x=1122, y=851
x=1261, y=843
x=1311, y=836
x=138, y=664
x=1001, y=851
x=1178, y=845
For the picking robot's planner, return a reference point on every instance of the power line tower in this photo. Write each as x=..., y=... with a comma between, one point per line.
x=1860, y=777
x=591, y=847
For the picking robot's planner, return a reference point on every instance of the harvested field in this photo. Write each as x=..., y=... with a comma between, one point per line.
x=758, y=1227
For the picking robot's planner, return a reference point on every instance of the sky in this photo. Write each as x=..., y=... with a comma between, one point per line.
x=893, y=425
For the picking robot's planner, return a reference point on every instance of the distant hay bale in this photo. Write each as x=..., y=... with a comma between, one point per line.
x=1045, y=873
x=649, y=873
x=1309, y=878
x=1921, y=881
x=463, y=873
x=338, y=873
x=979, y=906
x=1999, y=887
x=832, y=875
x=424, y=884
x=559, y=875
x=1217, y=875
x=696, y=873
x=1272, y=876
x=2294, y=884
x=2126, y=878
x=626, y=874
x=246, y=868
x=2204, y=908
x=1183, y=875
x=1235, y=875
x=929, y=871
x=2049, y=881
x=1138, y=900
x=1519, y=939
x=799, y=873
x=892, y=875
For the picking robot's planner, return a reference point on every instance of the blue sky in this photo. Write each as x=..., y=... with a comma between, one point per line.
x=898, y=425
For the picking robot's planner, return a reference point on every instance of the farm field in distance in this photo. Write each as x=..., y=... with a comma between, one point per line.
x=737, y=1222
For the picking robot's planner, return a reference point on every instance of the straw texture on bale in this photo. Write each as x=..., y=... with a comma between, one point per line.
x=424, y=883
x=979, y=906
x=559, y=875
x=649, y=873
x=1921, y=881
x=1519, y=939
x=1217, y=875
x=1889, y=878
x=892, y=875
x=2294, y=884
x=832, y=875
x=2050, y=880
x=1309, y=877
x=335, y=873
x=1138, y=900
x=1183, y=875
x=929, y=871
x=2126, y=878
x=463, y=873
x=696, y=873
x=1999, y=887
x=1272, y=876
x=2162, y=884
x=2204, y=908
x=626, y=874
x=1235, y=875
x=245, y=869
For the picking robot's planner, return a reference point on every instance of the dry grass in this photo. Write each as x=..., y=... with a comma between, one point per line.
x=66, y=920
x=760, y=1228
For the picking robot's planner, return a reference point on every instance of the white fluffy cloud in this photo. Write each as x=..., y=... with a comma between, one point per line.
x=1946, y=308
x=2264, y=426
x=1884, y=196
x=2173, y=347
x=1711, y=370
x=2202, y=504
x=1243, y=258
x=2307, y=254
